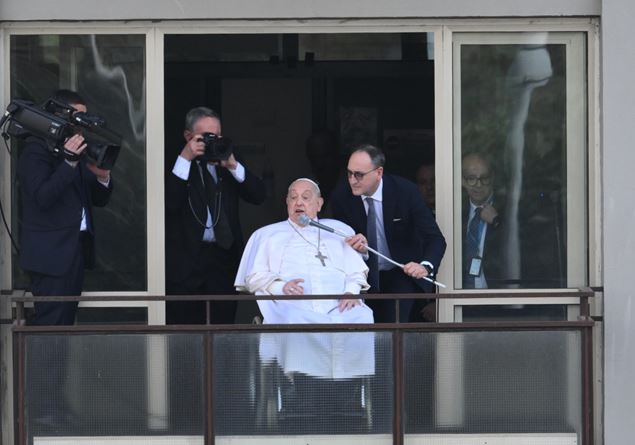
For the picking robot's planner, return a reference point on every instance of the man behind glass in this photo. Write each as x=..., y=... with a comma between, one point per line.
x=427, y=185
x=489, y=231
x=57, y=237
x=57, y=243
x=482, y=234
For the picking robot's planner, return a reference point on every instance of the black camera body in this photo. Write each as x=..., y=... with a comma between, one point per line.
x=102, y=145
x=55, y=122
x=216, y=148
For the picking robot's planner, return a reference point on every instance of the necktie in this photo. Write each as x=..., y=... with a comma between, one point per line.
x=471, y=247
x=371, y=235
x=222, y=230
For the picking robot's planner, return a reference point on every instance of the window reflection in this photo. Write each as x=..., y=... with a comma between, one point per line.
x=513, y=166
x=109, y=72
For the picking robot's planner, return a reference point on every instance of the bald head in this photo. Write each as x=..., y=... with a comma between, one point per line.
x=478, y=178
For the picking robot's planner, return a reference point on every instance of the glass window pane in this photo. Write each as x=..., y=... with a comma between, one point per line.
x=520, y=161
x=109, y=72
x=115, y=385
x=488, y=383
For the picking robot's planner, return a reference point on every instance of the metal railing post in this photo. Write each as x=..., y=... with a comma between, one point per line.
x=210, y=434
x=398, y=387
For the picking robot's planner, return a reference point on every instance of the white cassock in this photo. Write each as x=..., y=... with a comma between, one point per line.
x=327, y=355
x=284, y=251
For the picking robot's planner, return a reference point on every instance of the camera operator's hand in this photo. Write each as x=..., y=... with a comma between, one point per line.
x=103, y=176
x=230, y=163
x=73, y=148
x=194, y=148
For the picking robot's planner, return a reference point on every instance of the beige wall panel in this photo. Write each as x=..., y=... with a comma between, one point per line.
x=618, y=115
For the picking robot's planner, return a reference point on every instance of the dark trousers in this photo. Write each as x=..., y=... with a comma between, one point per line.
x=393, y=281
x=48, y=355
x=213, y=274
x=70, y=284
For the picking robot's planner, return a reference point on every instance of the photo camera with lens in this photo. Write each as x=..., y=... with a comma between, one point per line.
x=55, y=122
x=216, y=148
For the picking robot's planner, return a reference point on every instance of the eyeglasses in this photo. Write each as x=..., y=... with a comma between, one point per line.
x=359, y=175
x=472, y=180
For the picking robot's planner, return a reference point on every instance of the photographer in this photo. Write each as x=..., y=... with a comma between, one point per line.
x=203, y=234
x=57, y=236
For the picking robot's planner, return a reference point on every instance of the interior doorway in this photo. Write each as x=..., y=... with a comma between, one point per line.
x=295, y=104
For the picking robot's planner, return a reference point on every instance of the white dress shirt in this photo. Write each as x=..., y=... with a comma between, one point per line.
x=181, y=169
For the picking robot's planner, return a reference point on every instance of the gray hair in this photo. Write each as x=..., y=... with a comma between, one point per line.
x=377, y=157
x=195, y=114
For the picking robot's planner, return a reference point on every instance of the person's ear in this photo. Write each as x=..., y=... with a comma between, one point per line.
x=320, y=203
x=187, y=134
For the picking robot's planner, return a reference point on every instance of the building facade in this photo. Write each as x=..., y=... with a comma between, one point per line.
x=542, y=90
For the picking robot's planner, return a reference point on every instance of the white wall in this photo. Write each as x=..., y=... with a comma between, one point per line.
x=618, y=82
x=203, y=9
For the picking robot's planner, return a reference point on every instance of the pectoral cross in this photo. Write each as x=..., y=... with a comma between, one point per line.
x=321, y=257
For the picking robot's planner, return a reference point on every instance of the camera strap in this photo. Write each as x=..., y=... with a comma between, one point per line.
x=222, y=230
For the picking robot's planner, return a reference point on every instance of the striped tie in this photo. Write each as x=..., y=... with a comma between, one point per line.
x=471, y=248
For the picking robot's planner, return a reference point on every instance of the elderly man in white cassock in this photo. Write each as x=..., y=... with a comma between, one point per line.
x=289, y=258
x=292, y=258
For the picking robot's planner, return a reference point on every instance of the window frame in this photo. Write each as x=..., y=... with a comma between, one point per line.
x=449, y=310
x=443, y=30
x=575, y=137
x=154, y=164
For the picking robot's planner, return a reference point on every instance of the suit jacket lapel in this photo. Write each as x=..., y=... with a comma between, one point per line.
x=359, y=214
x=196, y=182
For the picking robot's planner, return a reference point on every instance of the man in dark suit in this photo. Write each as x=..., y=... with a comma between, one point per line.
x=57, y=236
x=482, y=230
x=404, y=229
x=487, y=231
x=57, y=243
x=203, y=235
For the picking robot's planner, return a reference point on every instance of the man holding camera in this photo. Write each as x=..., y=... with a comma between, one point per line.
x=203, y=234
x=57, y=237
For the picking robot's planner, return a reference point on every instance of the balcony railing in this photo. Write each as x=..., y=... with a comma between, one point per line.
x=500, y=382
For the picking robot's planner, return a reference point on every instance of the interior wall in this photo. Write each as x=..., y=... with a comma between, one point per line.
x=269, y=119
x=204, y=9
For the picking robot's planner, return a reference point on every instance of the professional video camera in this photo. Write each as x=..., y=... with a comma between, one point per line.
x=216, y=148
x=55, y=122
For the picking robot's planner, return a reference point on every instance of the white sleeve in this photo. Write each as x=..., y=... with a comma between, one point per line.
x=181, y=168
x=356, y=271
x=238, y=173
x=254, y=273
